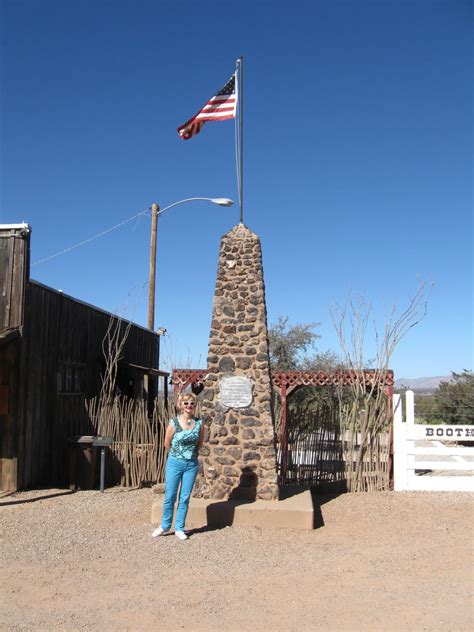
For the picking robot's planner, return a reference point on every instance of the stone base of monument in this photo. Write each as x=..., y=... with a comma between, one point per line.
x=293, y=512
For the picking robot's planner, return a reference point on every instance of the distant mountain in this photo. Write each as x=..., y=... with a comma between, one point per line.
x=422, y=384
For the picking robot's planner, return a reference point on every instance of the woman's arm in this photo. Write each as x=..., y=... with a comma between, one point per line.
x=169, y=435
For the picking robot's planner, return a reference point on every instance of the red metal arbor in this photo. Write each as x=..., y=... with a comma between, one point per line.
x=182, y=378
x=285, y=382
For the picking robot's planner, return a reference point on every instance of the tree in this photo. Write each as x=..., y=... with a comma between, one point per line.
x=289, y=345
x=425, y=411
x=290, y=350
x=454, y=400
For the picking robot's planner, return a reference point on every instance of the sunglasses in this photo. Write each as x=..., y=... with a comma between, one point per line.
x=189, y=404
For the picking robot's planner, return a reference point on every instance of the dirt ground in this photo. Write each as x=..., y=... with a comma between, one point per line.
x=378, y=561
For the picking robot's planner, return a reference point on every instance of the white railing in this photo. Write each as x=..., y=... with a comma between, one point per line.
x=428, y=458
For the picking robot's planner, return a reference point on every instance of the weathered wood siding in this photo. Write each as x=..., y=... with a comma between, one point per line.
x=61, y=363
x=9, y=374
x=14, y=261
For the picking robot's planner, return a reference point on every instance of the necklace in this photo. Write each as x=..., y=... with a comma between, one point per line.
x=188, y=422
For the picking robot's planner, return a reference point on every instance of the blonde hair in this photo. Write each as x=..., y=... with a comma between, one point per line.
x=186, y=397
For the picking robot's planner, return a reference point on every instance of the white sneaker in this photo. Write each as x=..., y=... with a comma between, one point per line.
x=159, y=531
x=181, y=535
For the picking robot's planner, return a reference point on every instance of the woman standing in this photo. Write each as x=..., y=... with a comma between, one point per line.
x=184, y=437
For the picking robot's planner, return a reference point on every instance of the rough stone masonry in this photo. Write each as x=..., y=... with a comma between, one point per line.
x=239, y=459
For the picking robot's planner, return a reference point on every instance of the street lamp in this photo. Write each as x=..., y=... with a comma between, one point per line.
x=155, y=211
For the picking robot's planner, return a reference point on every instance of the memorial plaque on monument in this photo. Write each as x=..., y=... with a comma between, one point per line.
x=235, y=392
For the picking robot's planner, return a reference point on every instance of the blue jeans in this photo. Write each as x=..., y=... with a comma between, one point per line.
x=178, y=471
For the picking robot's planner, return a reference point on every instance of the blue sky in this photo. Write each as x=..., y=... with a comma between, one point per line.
x=357, y=157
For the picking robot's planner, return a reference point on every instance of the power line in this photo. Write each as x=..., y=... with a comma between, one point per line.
x=86, y=241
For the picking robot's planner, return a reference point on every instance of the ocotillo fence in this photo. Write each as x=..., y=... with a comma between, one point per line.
x=138, y=452
x=317, y=455
x=324, y=452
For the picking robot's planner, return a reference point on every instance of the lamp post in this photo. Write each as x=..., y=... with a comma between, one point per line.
x=155, y=211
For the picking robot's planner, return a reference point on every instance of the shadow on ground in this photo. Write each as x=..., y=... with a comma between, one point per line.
x=45, y=496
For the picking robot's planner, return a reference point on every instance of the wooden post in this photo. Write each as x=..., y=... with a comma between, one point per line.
x=399, y=444
x=410, y=445
x=151, y=290
x=283, y=437
x=410, y=407
x=151, y=286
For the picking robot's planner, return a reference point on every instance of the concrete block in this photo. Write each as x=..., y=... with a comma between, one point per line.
x=294, y=512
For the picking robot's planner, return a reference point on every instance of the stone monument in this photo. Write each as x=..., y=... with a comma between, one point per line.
x=239, y=458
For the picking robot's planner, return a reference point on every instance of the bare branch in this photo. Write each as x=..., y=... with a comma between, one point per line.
x=370, y=409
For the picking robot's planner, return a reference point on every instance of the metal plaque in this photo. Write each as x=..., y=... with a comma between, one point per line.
x=236, y=392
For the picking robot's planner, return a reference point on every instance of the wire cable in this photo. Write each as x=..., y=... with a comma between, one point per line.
x=86, y=241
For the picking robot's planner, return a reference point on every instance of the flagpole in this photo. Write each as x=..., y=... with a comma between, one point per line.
x=240, y=77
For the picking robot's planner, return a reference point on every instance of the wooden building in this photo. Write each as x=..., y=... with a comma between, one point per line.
x=51, y=361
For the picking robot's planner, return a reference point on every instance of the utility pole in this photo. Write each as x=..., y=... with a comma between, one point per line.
x=147, y=384
x=155, y=209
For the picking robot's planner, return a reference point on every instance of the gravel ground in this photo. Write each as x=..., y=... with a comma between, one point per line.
x=381, y=561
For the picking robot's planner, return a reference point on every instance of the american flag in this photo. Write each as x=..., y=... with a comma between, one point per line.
x=221, y=107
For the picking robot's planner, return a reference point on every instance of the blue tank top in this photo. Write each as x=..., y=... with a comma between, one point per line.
x=184, y=442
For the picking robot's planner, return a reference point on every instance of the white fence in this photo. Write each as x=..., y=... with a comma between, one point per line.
x=427, y=458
